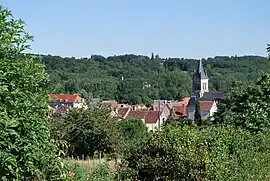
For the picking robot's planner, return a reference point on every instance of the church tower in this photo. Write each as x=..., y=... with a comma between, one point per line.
x=200, y=81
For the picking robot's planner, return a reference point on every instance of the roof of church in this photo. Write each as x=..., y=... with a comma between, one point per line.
x=211, y=96
x=200, y=71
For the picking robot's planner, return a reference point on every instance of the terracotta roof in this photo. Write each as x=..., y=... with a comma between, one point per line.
x=179, y=108
x=64, y=97
x=179, y=111
x=184, y=100
x=152, y=117
x=137, y=114
x=122, y=112
x=206, y=105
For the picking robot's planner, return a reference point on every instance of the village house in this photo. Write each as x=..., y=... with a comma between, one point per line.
x=151, y=118
x=61, y=103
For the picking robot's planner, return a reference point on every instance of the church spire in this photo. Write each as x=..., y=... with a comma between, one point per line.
x=200, y=71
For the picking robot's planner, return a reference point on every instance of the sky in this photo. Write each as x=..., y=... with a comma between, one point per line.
x=170, y=28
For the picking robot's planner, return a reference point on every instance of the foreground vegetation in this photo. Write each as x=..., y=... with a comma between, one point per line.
x=236, y=146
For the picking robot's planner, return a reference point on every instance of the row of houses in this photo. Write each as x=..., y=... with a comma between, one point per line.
x=159, y=112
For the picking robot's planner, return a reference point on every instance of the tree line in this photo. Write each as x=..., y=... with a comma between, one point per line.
x=140, y=79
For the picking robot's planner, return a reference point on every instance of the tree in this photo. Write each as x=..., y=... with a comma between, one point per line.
x=152, y=56
x=27, y=150
x=13, y=37
x=268, y=49
x=89, y=131
x=131, y=132
x=248, y=107
x=197, y=115
x=174, y=153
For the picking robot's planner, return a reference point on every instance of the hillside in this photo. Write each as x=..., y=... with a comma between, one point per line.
x=146, y=78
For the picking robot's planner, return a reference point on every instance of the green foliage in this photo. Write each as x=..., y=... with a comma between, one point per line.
x=102, y=172
x=169, y=155
x=89, y=131
x=248, y=107
x=27, y=150
x=200, y=153
x=132, y=129
x=144, y=78
x=75, y=172
x=197, y=116
x=13, y=37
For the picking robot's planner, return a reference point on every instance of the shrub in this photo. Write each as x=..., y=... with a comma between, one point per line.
x=102, y=172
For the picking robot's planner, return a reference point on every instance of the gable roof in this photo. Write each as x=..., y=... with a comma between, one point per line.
x=211, y=96
x=206, y=105
x=121, y=112
x=152, y=117
x=64, y=97
x=149, y=116
x=137, y=114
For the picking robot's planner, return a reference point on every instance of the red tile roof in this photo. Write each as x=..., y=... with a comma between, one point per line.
x=206, y=105
x=121, y=112
x=179, y=111
x=64, y=97
x=137, y=114
x=152, y=117
x=179, y=108
x=149, y=116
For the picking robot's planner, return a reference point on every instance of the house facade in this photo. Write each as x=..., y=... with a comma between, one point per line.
x=61, y=103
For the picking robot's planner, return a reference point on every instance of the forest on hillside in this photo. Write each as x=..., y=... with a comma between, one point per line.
x=140, y=79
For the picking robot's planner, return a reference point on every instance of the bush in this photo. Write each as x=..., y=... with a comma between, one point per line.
x=102, y=172
x=201, y=153
x=75, y=172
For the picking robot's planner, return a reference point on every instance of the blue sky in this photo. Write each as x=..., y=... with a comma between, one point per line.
x=170, y=28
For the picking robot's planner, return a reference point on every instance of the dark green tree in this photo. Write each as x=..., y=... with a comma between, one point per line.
x=247, y=107
x=197, y=115
x=268, y=49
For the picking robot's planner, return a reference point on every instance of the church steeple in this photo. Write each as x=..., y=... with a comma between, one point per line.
x=200, y=80
x=200, y=71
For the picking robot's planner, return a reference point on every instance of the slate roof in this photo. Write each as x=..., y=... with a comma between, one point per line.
x=200, y=71
x=211, y=96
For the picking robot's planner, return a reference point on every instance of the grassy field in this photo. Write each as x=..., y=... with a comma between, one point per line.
x=89, y=164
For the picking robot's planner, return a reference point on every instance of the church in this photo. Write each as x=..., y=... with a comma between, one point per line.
x=208, y=100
